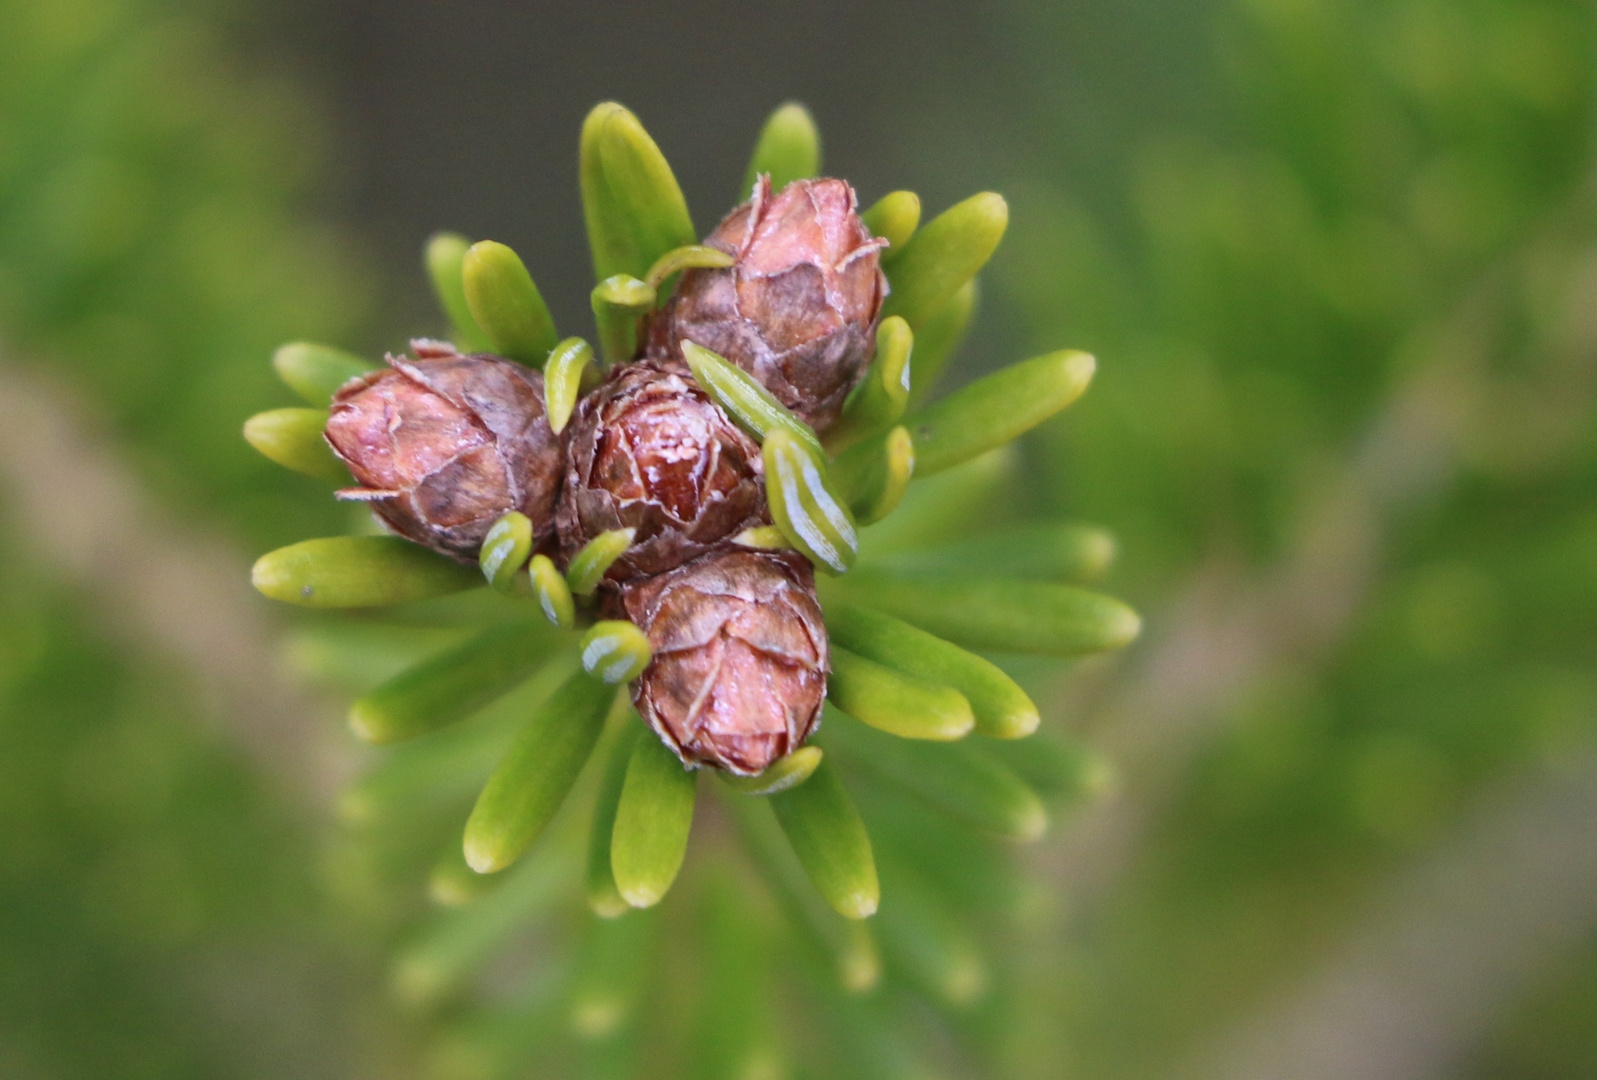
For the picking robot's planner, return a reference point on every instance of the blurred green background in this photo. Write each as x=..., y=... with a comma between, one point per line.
x=1337, y=258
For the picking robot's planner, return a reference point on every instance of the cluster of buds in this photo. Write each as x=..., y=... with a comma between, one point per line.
x=446, y=445
x=671, y=496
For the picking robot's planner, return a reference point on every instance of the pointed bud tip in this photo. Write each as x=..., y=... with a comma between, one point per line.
x=480, y=857
x=1080, y=365
x=605, y=113
x=982, y=219
x=859, y=905
x=1122, y=627
x=640, y=897
x=1068, y=373
x=1018, y=724
x=490, y=249
x=445, y=248
x=894, y=218
x=267, y=576
x=788, y=148
x=992, y=205
x=792, y=112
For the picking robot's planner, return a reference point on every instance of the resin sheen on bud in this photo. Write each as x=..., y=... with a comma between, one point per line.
x=443, y=445
x=650, y=451
x=798, y=308
x=740, y=658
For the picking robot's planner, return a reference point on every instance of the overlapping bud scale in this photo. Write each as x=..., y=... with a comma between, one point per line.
x=798, y=308
x=651, y=452
x=443, y=445
x=740, y=657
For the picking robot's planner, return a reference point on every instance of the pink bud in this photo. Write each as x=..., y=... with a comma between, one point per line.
x=445, y=444
x=798, y=309
x=740, y=657
x=650, y=451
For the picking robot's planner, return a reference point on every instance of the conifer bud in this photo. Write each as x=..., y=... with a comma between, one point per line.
x=798, y=309
x=443, y=445
x=740, y=657
x=650, y=451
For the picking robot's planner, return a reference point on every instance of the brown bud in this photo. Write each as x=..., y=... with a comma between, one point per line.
x=798, y=310
x=445, y=444
x=650, y=451
x=740, y=657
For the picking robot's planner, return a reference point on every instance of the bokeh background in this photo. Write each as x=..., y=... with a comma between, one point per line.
x=1337, y=258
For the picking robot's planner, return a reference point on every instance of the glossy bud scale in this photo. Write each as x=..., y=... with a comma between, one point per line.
x=650, y=451
x=740, y=657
